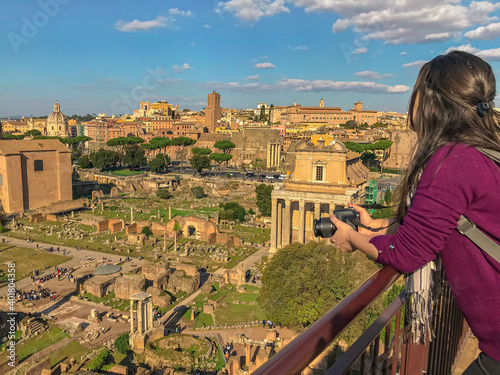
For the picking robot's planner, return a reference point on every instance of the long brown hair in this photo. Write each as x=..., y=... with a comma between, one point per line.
x=443, y=109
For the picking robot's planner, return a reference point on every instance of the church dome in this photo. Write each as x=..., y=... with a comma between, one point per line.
x=57, y=122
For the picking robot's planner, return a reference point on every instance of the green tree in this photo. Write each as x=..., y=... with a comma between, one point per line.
x=32, y=133
x=225, y=145
x=198, y=163
x=163, y=193
x=158, y=165
x=263, y=192
x=146, y=231
x=302, y=282
x=198, y=192
x=84, y=162
x=12, y=136
x=220, y=158
x=237, y=211
x=134, y=157
x=183, y=142
x=104, y=159
x=201, y=151
x=122, y=343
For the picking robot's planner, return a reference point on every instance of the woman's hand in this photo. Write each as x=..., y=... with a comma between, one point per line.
x=341, y=238
x=364, y=218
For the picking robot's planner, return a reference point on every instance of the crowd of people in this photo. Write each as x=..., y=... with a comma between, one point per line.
x=58, y=273
x=35, y=295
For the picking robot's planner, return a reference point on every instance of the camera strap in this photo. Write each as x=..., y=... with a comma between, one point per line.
x=358, y=224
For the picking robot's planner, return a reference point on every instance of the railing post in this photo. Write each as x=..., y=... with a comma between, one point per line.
x=414, y=355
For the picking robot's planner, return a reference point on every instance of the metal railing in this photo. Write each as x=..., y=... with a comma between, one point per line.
x=397, y=353
x=307, y=346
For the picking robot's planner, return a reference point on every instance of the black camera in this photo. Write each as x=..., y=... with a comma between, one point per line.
x=324, y=227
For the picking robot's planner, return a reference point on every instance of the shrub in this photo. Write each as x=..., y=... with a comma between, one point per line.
x=198, y=192
x=163, y=193
x=99, y=360
x=122, y=343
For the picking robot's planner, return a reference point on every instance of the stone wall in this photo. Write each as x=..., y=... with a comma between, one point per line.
x=55, y=371
x=37, y=369
x=128, y=284
x=190, y=269
x=203, y=228
x=180, y=282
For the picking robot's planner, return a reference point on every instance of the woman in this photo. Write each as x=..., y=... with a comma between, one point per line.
x=451, y=110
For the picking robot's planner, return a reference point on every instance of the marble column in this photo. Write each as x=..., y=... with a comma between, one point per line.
x=302, y=222
x=287, y=219
x=317, y=210
x=131, y=317
x=150, y=313
x=140, y=315
x=331, y=208
x=268, y=155
x=274, y=227
x=279, y=228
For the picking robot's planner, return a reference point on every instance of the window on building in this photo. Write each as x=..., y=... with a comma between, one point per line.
x=38, y=165
x=319, y=173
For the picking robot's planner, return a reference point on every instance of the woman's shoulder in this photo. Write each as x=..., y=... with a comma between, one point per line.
x=459, y=154
x=461, y=162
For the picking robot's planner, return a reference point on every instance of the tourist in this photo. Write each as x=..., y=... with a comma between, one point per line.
x=103, y=329
x=263, y=324
x=451, y=110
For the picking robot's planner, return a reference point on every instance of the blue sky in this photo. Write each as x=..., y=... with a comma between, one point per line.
x=105, y=56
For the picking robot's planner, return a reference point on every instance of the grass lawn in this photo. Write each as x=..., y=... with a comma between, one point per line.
x=37, y=343
x=126, y=172
x=233, y=314
x=203, y=320
x=121, y=304
x=28, y=259
x=72, y=350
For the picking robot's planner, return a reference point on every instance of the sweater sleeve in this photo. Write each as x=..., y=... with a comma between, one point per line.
x=447, y=186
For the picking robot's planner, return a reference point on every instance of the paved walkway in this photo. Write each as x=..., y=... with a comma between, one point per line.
x=77, y=257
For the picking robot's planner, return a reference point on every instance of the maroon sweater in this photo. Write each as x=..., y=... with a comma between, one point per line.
x=465, y=182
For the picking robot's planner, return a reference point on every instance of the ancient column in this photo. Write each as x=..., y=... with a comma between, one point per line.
x=302, y=222
x=248, y=353
x=169, y=213
x=317, y=210
x=274, y=217
x=149, y=312
x=268, y=155
x=287, y=226
x=158, y=214
x=131, y=317
x=279, y=228
x=140, y=314
x=331, y=208
x=164, y=240
x=131, y=214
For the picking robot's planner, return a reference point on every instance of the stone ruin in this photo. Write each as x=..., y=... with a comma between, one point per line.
x=179, y=281
x=129, y=284
x=160, y=297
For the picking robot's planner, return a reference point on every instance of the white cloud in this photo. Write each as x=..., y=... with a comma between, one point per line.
x=405, y=21
x=298, y=48
x=403, y=53
x=305, y=85
x=418, y=64
x=137, y=25
x=264, y=65
x=372, y=75
x=487, y=54
x=490, y=31
x=182, y=13
x=360, y=51
x=207, y=27
x=252, y=10
x=180, y=69
x=252, y=78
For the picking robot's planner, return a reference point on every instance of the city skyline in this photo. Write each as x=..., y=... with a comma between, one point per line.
x=93, y=57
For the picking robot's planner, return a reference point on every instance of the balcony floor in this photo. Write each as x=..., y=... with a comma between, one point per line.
x=469, y=354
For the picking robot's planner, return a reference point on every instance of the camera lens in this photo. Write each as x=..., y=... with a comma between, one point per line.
x=324, y=227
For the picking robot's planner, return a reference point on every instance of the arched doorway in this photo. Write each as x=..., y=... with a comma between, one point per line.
x=191, y=231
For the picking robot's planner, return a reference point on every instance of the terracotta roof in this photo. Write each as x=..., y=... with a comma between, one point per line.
x=14, y=146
